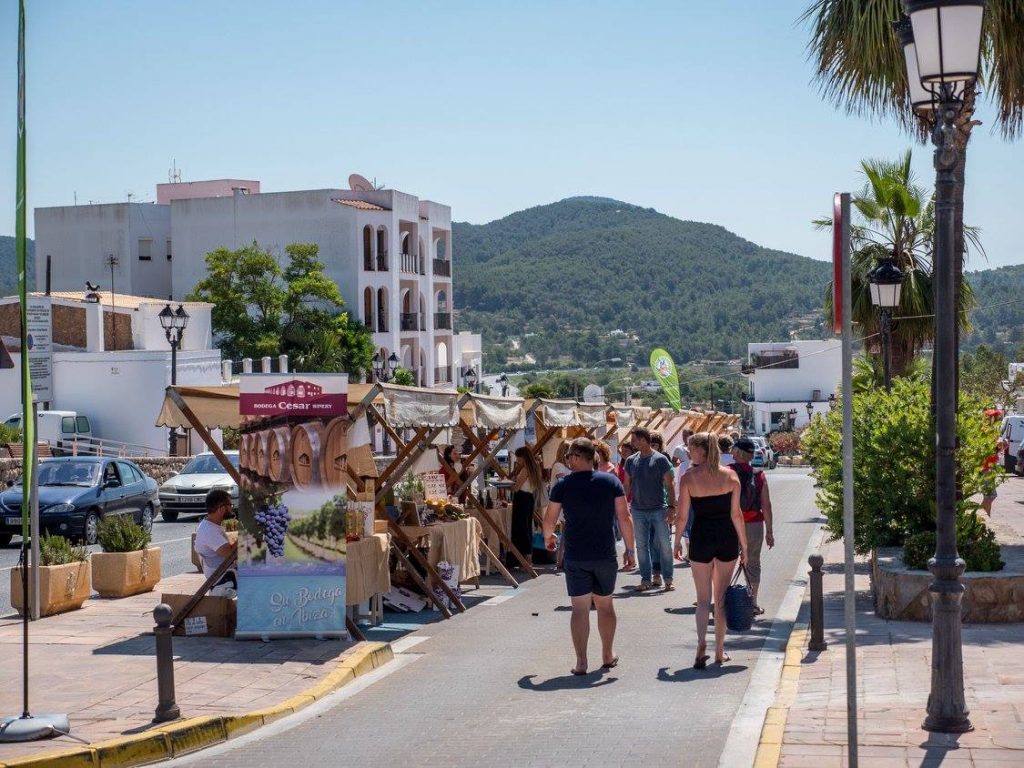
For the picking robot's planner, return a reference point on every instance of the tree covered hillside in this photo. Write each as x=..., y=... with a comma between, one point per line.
x=998, y=318
x=9, y=266
x=560, y=277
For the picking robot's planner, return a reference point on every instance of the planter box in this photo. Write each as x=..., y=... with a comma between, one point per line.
x=61, y=587
x=196, y=561
x=119, y=574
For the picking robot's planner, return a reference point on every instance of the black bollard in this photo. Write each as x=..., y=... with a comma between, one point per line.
x=817, y=642
x=167, y=708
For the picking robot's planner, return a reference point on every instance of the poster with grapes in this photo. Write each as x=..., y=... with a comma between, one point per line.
x=291, y=544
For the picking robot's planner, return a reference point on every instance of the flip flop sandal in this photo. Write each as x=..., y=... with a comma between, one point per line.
x=578, y=672
x=758, y=610
x=724, y=659
x=670, y=587
x=644, y=586
x=701, y=662
x=611, y=664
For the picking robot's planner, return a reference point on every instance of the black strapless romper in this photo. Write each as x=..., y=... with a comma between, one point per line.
x=713, y=536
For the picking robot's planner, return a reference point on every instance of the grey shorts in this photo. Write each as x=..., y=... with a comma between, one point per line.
x=584, y=577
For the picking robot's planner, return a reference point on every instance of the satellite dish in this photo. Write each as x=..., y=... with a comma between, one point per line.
x=359, y=183
x=593, y=394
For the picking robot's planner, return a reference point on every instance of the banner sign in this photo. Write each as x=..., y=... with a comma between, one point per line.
x=665, y=371
x=291, y=543
x=40, y=347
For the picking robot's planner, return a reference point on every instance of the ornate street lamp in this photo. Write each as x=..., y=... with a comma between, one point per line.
x=502, y=381
x=174, y=323
x=946, y=40
x=810, y=410
x=790, y=419
x=384, y=370
x=886, y=283
x=470, y=377
x=832, y=402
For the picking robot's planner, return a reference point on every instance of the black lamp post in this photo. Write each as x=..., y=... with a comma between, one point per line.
x=832, y=402
x=886, y=282
x=384, y=370
x=174, y=322
x=810, y=410
x=502, y=381
x=942, y=46
x=791, y=419
x=470, y=377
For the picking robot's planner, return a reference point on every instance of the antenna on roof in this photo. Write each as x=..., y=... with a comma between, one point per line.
x=359, y=183
x=174, y=174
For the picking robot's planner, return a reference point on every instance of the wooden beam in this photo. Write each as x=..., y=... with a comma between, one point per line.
x=204, y=434
x=398, y=533
x=427, y=591
x=499, y=565
x=503, y=537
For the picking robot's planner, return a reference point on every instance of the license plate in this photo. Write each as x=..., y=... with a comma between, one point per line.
x=12, y=520
x=194, y=498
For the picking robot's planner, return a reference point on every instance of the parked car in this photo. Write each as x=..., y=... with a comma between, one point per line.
x=58, y=428
x=1012, y=431
x=185, y=493
x=764, y=456
x=75, y=493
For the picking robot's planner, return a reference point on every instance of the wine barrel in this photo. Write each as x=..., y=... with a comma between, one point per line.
x=243, y=449
x=262, y=465
x=278, y=463
x=304, y=451
x=333, y=459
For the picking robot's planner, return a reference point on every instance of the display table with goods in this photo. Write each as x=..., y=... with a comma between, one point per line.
x=456, y=542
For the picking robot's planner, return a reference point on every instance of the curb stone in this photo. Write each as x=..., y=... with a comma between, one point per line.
x=192, y=734
x=769, y=747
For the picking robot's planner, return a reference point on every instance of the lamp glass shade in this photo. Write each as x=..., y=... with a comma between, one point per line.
x=947, y=34
x=378, y=363
x=166, y=318
x=181, y=318
x=393, y=362
x=920, y=98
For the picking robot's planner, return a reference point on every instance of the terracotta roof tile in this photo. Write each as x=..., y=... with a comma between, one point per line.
x=361, y=205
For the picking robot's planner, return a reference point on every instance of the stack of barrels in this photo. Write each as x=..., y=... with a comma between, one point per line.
x=306, y=455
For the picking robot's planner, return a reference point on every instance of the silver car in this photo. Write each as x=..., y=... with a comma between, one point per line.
x=185, y=493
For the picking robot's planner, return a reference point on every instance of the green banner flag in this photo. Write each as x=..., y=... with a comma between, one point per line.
x=27, y=422
x=665, y=372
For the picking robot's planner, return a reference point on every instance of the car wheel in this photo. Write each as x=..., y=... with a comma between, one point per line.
x=168, y=515
x=90, y=531
x=147, y=518
x=5, y=539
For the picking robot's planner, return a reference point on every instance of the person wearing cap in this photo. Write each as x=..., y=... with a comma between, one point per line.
x=756, y=505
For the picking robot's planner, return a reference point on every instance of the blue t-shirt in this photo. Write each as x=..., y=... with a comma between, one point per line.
x=588, y=503
x=647, y=480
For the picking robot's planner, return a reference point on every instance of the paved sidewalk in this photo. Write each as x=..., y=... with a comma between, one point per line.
x=808, y=720
x=97, y=664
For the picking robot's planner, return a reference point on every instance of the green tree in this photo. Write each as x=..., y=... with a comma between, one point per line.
x=861, y=68
x=260, y=309
x=982, y=374
x=538, y=389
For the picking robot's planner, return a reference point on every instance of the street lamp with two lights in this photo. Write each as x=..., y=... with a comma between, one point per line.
x=174, y=322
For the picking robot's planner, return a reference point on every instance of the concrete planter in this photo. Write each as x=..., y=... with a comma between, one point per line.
x=902, y=594
x=119, y=574
x=61, y=587
x=232, y=537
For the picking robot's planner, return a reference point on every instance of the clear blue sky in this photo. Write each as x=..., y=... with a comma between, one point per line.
x=705, y=111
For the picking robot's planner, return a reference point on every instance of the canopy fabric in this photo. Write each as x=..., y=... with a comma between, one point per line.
x=592, y=415
x=499, y=413
x=215, y=407
x=560, y=413
x=624, y=418
x=412, y=407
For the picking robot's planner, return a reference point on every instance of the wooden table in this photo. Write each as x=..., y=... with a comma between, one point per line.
x=457, y=542
x=366, y=574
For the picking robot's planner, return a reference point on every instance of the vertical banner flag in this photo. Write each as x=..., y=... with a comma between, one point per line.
x=292, y=504
x=28, y=436
x=665, y=372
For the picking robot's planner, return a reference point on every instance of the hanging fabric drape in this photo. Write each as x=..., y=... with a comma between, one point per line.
x=560, y=413
x=498, y=413
x=592, y=415
x=412, y=408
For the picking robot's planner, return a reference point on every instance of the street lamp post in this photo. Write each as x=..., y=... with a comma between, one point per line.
x=174, y=322
x=469, y=375
x=384, y=370
x=886, y=281
x=791, y=420
x=502, y=381
x=832, y=402
x=942, y=46
x=810, y=410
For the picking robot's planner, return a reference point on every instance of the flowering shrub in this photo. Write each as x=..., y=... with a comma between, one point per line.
x=784, y=443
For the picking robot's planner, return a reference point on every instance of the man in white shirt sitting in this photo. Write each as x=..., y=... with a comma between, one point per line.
x=212, y=543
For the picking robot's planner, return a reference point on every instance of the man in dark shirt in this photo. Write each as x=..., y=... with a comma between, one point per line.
x=589, y=501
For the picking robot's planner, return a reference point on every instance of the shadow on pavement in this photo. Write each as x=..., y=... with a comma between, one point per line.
x=566, y=682
x=938, y=746
x=689, y=674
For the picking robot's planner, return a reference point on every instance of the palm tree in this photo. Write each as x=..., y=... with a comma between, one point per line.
x=860, y=67
x=895, y=217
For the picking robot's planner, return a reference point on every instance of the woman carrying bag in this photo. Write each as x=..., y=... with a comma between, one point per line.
x=717, y=540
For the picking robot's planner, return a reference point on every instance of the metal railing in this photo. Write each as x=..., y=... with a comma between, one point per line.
x=412, y=264
x=409, y=321
x=442, y=268
x=82, y=445
x=443, y=321
x=382, y=261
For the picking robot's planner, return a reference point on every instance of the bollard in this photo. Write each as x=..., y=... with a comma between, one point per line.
x=817, y=642
x=166, y=708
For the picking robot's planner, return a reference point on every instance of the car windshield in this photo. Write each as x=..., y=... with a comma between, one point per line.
x=84, y=473
x=207, y=464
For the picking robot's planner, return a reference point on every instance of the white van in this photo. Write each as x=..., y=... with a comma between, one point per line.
x=57, y=427
x=1012, y=432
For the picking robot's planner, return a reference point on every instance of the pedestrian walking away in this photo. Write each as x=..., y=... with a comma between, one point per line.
x=718, y=539
x=528, y=490
x=649, y=482
x=589, y=501
x=756, y=506
x=658, y=445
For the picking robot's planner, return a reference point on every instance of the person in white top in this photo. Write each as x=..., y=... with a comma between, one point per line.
x=212, y=543
x=725, y=446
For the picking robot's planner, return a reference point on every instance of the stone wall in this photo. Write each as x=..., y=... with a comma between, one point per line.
x=69, y=326
x=159, y=468
x=902, y=594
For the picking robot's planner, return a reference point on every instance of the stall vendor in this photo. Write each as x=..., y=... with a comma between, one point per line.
x=455, y=474
x=212, y=543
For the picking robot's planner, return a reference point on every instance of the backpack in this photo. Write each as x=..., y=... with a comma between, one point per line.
x=750, y=490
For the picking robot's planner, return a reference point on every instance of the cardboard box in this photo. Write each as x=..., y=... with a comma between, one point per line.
x=212, y=617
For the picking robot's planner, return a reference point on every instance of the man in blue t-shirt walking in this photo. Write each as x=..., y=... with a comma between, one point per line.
x=649, y=483
x=589, y=501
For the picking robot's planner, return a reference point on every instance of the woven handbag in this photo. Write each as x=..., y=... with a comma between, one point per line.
x=739, y=604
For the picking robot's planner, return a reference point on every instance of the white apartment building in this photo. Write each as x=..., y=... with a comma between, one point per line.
x=389, y=253
x=784, y=378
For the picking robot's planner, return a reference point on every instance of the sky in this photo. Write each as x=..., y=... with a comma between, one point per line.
x=704, y=111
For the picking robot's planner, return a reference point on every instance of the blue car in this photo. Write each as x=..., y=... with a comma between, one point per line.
x=75, y=493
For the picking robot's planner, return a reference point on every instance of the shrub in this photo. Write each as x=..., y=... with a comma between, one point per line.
x=784, y=443
x=894, y=466
x=976, y=544
x=56, y=550
x=9, y=435
x=119, y=533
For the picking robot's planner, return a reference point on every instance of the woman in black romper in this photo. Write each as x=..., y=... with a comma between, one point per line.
x=718, y=537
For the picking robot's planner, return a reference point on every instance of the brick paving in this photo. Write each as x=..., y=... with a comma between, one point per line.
x=894, y=677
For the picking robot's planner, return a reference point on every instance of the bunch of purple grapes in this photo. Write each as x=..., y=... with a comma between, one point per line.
x=273, y=521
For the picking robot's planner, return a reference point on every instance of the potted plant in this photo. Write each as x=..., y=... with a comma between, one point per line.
x=64, y=577
x=127, y=565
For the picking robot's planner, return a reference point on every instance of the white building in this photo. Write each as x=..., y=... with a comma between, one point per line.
x=389, y=253
x=112, y=363
x=783, y=378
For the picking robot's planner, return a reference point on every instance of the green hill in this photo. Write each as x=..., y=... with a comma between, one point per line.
x=9, y=266
x=998, y=319
x=560, y=277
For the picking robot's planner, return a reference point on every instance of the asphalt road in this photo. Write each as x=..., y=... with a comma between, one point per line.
x=492, y=686
x=175, y=556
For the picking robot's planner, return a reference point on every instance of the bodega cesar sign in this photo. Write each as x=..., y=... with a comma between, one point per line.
x=274, y=395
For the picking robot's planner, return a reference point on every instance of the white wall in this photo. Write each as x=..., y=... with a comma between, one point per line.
x=147, y=333
x=820, y=368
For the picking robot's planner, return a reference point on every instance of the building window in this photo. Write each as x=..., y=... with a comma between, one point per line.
x=145, y=249
x=168, y=250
